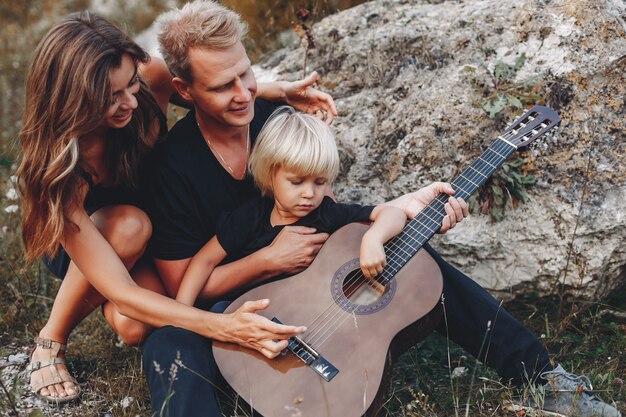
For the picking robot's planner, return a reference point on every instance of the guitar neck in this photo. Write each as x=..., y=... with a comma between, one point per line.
x=425, y=224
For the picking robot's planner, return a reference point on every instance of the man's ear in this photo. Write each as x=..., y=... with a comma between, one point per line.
x=182, y=88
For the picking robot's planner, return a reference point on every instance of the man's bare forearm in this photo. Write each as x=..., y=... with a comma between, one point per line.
x=242, y=273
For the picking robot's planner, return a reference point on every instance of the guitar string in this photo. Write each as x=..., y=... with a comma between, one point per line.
x=461, y=184
x=461, y=190
x=393, y=255
x=467, y=177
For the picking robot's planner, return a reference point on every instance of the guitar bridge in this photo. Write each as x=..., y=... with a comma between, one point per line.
x=310, y=356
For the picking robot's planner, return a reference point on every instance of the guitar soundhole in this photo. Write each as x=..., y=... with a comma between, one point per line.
x=359, y=295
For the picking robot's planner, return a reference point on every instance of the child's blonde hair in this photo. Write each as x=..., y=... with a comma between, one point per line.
x=294, y=141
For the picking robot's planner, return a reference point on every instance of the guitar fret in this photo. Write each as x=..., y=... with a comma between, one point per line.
x=462, y=176
x=399, y=258
x=427, y=228
x=427, y=216
x=400, y=237
x=492, y=166
x=479, y=173
x=497, y=153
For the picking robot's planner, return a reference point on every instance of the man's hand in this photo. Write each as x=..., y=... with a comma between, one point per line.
x=253, y=331
x=413, y=203
x=294, y=249
x=303, y=97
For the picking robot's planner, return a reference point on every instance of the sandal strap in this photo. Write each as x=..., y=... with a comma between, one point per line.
x=50, y=344
x=35, y=366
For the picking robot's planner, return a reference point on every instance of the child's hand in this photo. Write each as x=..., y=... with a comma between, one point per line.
x=372, y=256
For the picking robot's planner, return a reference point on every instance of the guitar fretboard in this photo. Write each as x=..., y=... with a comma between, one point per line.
x=425, y=224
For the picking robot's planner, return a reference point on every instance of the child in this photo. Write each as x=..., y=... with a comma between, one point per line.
x=293, y=163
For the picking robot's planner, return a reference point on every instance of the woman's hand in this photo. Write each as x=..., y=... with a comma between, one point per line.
x=253, y=331
x=303, y=97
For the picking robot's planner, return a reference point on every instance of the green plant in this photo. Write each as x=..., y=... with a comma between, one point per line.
x=507, y=185
x=498, y=87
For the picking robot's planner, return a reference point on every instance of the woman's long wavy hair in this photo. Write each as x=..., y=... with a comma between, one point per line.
x=68, y=93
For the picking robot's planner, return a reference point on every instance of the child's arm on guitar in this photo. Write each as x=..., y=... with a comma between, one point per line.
x=198, y=273
x=412, y=203
x=372, y=253
x=388, y=222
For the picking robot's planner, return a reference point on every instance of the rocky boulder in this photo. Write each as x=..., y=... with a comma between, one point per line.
x=422, y=87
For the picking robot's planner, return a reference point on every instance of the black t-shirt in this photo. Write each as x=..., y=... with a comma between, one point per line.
x=188, y=188
x=248, y=229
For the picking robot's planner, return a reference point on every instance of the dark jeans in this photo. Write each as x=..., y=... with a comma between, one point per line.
x=191, y=392
x=510, y=349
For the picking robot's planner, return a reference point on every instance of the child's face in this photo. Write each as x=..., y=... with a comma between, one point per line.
x=296, y=195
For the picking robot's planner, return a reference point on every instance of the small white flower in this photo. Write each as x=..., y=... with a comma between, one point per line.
x=157, y=367
x=11, y=194
x=11, y=209
x=459, y=371
x=13, y=179
x=126, y=402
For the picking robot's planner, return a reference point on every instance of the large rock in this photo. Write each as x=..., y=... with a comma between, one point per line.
x=410, y=78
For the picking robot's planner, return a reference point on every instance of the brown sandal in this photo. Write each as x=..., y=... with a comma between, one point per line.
x=56, y=377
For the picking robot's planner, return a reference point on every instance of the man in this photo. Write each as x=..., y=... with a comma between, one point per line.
x=200, y=172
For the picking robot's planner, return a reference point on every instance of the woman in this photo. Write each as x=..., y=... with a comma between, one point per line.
x=94, y=108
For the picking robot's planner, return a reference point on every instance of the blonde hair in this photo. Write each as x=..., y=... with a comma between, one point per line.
x=294, y=141
x=204, y=24
x=68, y=93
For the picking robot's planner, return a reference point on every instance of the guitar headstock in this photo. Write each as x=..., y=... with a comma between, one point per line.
x=534, y=124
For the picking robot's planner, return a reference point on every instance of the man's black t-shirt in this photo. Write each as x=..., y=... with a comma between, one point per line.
x=189, y=188
x=248, y=229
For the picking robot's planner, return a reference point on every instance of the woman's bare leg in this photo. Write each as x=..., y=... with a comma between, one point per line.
x=133, y=332
x=127, y=229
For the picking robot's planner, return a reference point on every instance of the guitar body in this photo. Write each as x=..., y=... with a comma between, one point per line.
x=359, y=338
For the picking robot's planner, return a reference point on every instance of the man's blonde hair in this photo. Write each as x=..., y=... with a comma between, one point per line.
x=201, y=23
x=294, y=141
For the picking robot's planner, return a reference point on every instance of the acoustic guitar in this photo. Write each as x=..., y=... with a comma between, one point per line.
x=357, y=327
